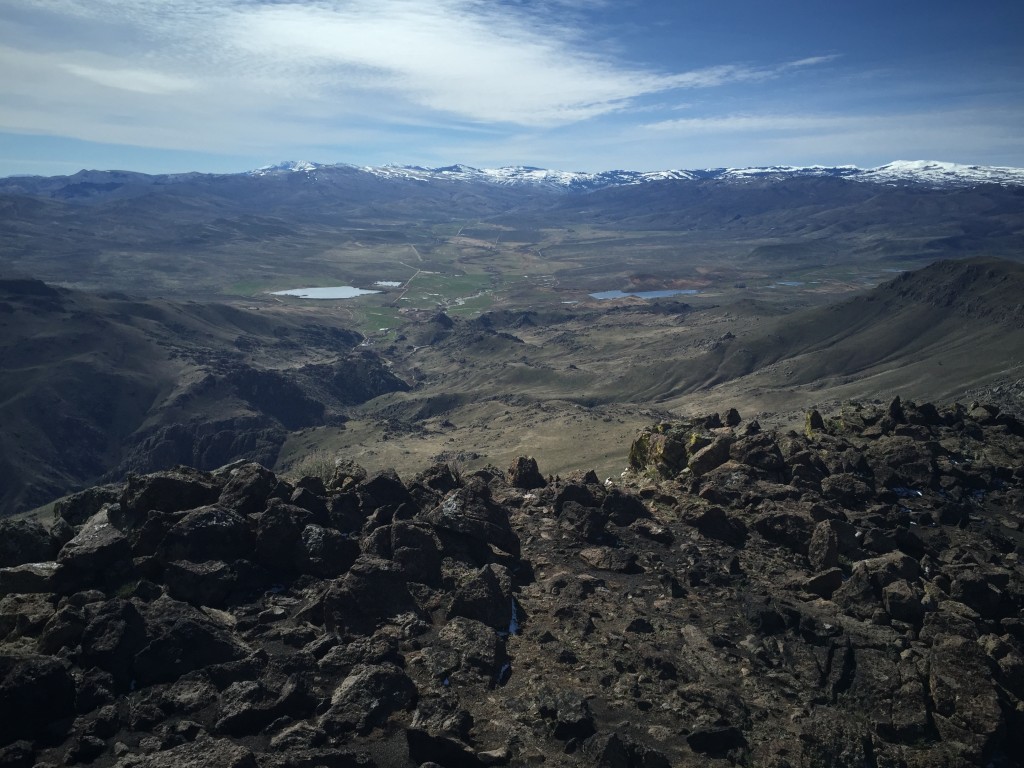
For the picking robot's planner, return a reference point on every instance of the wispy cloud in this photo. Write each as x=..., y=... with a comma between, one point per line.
x=756, y=123
x=136, y=80
x=249, y=71
x=961, y=135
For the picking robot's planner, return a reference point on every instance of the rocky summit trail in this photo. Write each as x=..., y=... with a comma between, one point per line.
x=846, y=596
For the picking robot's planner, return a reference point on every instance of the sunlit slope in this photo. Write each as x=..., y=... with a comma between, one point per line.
x=938, y=330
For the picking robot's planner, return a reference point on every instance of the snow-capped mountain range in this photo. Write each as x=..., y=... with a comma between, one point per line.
x=929, y=173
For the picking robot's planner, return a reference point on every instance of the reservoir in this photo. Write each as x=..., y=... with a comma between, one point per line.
x=332, y=292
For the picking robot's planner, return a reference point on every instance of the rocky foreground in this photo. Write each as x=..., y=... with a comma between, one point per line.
x=850, y=596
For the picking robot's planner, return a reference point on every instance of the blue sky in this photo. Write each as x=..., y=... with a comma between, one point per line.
x=229, y=85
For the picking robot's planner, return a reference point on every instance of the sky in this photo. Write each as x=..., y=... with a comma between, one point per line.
x=164, y=86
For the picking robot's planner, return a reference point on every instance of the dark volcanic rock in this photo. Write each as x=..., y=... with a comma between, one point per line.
x=35, y=694
x=202, y=752
x=524, y=474
x=466, y=651
x=79, y=507
x=372, y=590
x=847, y=598
x=471, y=512
x=171, y=491
x=179, y=639
x=209, y=533
x=247, y=489
x=366, y=698
x=97, y=552
x=24, y=541
x=486, y=596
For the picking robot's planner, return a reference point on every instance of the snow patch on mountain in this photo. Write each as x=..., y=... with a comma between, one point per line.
x=939, y=174
x=289, y=166
x=931, y=173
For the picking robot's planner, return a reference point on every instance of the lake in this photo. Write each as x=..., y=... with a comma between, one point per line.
x=331, y=292
x=643, y=294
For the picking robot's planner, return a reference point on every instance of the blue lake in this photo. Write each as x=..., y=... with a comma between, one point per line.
x=643, y=294
x=331, y=292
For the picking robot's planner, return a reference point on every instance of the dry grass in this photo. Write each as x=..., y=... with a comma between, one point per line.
x=318, y=463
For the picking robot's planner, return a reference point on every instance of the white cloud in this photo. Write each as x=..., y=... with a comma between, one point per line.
x=136, y=80
x=217, y=73
x=759, y=123
x=960, y=135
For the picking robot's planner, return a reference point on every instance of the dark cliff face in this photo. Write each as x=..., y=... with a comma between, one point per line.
x=846, y=596
x=96, y=385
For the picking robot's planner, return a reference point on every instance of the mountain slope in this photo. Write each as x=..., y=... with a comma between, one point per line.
x=94, y=385
x=939, y=330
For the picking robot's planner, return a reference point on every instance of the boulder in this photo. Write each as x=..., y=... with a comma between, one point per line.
x=175, y=490
x=24, y=541
x=249, y=706
x=903, y=602
x=849, y=490
x=486, y=596
x=588, y=522
x=326, y=553
x=567, y=715
x=247, y=488
x=716, y=741
x=623, y=508
x=417, y=549
x=95, y=552
x=715, y=523
x=813, y=423
x=761, y=452
x=710, y=456
x=965, y=700
x=79, y=507
x=609, y=559
x=367, y=698
x=466, y=653
x=823, y=548
x=179, y=639
x=579, y=492
x=435, y=481
x=662, y=451
x=209, y=533
x=373, y=589
x=114, y=633
x=861, y=594
x=35, y=692
x=347, y=475
x=201, y=753
x=214, y=582
x=984, y=590
x=825, y=583
x=34, y=578
x=469, y=512
x=278, y=536
x=523, y=473
x=312, y=502
x=24, y=615
x=788, y=529
x=384, y=489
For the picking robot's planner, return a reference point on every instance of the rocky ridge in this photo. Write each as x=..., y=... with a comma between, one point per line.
x=846, y=596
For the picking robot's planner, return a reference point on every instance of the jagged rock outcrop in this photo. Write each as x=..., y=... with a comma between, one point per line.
x=849, y=595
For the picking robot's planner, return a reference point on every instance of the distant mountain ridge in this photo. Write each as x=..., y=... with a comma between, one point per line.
x=926, y=173
x=930, y=173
